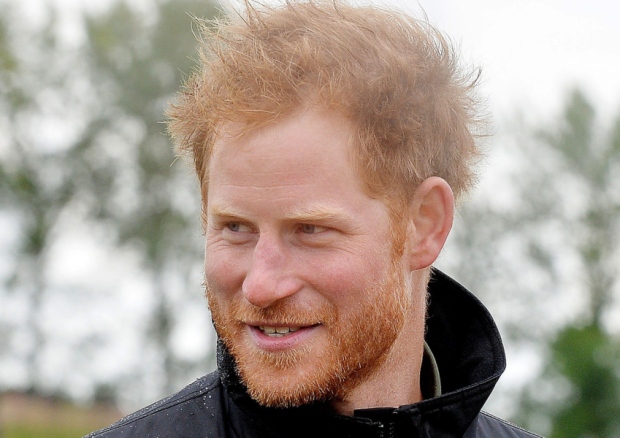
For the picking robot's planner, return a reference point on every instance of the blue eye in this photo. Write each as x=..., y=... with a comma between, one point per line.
x=308, y=228
x=233, y=226
x=312, y=229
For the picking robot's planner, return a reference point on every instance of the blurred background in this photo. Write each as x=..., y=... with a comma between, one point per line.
x=101, y=306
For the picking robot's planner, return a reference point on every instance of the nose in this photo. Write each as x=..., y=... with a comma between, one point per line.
x=269, y=278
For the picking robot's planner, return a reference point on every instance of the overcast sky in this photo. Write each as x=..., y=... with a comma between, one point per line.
x=532, y=51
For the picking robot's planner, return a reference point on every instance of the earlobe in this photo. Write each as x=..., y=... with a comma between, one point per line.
x=431, y=215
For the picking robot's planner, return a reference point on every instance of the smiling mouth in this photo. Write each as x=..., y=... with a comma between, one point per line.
x=277, y=332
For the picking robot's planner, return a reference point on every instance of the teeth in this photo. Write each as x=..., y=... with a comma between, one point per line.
x=277, y=332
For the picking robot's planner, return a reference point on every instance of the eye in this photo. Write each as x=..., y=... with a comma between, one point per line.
x=233, y=226
x=311, y=229
x=237, y=227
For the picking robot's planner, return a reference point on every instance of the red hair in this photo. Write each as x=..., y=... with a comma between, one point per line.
x=395, y=77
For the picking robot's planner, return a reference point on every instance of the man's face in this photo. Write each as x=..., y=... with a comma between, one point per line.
x=301, y=279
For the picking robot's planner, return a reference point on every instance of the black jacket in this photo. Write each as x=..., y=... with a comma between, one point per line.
x=469, y=355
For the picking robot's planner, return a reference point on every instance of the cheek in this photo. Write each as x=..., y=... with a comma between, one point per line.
x=345, y=281
x=223, y=271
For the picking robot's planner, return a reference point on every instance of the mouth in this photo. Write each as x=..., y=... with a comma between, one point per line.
x=277, y=332
x=277, y=336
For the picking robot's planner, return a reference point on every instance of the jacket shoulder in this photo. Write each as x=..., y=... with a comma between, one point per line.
x=182, y=414
x=487, y=425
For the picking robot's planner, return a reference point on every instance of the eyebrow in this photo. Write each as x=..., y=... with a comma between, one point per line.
x=302, y=214
x=315, y=213
x=221, y=210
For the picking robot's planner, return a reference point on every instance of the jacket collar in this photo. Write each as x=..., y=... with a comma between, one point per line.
x=470, y=358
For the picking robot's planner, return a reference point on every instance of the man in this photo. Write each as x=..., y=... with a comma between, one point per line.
x=330, y=142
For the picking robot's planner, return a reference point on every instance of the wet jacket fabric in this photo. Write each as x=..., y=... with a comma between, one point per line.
x=469, y=355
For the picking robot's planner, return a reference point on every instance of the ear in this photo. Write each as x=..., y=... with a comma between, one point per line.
x=431, y=214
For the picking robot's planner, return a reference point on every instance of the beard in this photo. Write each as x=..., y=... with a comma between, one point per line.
x=353, y=344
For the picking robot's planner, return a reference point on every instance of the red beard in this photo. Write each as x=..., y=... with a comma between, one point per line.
x=351, y=345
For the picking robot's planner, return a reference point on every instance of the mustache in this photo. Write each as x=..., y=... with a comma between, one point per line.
x=283, y=312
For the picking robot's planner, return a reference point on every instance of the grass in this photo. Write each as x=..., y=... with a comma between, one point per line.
x=28, y=416
x=41, y=431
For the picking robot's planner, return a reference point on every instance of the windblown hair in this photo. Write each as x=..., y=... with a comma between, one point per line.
x=396, y=78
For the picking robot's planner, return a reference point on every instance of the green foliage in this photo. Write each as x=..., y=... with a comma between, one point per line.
x=112, y=167
x=543, y=250
x=578, y=391
x=33, y=431
x=588, y=358
x=139, y=65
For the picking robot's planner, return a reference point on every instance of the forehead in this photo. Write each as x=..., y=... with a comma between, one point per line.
x=299, y=164
x=306, y=142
